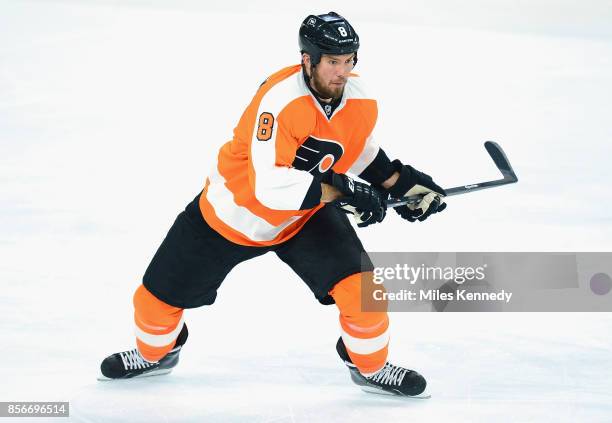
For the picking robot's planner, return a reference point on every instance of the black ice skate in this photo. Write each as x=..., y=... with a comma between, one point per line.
x=390, y=380
x=130, y=364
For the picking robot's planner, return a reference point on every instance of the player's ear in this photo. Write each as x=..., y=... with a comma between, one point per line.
x=306, y=62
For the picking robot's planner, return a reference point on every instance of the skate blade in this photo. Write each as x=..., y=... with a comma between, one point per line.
x=160, y=372
x=373, y=390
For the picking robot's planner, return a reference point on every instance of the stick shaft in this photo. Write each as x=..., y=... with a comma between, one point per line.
x=453, y=191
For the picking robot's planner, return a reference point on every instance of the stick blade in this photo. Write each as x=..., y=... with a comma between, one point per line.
x=501, y=160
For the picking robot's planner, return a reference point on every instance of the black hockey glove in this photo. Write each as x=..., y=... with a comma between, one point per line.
x=366, y=203
x=413, y=182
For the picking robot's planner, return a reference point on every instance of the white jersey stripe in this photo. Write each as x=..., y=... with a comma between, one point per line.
x=237, y=217
x=367, y=156
x=277, y=187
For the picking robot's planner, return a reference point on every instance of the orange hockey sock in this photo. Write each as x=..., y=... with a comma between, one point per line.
x=365, y=334
x=157, y=324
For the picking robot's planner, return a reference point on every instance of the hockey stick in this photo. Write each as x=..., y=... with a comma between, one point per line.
x=500, y=160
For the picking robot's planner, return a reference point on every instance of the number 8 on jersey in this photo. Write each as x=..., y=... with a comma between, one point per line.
x=265, y=126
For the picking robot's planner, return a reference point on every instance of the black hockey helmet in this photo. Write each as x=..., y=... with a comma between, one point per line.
x=327, y=34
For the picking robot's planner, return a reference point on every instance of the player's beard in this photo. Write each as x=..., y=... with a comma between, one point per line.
x=325, y=90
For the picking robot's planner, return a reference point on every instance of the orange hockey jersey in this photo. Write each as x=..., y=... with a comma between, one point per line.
x=266, y=183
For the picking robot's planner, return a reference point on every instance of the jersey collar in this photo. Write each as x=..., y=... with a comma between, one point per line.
x=336, y=105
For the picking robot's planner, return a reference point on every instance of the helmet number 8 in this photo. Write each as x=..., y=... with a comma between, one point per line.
x=342, y=31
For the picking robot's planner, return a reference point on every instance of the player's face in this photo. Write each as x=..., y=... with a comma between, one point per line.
x=330, y=75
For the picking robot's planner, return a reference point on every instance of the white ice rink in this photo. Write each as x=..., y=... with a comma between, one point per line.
x=111, y=113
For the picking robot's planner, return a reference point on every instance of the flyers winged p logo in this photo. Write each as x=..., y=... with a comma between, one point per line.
x=317, y=155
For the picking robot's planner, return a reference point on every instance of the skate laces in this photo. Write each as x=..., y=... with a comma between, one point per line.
x=390, y=375
x=133, y=360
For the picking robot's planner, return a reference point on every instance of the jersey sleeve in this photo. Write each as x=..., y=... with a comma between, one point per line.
x=370, y=150
x=276, y=184
x=372, y=165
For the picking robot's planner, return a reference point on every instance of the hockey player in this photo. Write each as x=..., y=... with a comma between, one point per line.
x=281, y=185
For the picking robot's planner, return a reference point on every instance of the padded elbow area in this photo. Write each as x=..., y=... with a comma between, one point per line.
x=313, y=195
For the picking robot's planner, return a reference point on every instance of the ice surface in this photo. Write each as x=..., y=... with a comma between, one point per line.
x=110, y=117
